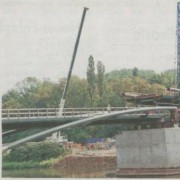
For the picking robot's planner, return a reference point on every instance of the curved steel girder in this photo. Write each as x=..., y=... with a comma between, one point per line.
x=79, y=122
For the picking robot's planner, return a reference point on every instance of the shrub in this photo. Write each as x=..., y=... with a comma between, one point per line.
x=35, y=151
x=20, y=165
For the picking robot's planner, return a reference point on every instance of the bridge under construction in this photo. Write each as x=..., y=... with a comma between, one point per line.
x=146, y=148
x=22, y=119
x=89, y=120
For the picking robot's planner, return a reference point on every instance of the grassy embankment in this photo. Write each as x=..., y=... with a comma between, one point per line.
x=34, y=155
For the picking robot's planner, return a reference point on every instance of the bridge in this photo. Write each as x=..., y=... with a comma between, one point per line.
x=82, y=121
x=157, y=144
x=48, y=117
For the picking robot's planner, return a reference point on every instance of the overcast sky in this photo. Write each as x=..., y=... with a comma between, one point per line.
x=37, y=37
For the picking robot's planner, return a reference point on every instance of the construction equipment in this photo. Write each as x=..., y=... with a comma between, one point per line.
x=173, y=89
x=63, y=98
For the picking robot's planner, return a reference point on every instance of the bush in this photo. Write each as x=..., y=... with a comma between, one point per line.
x=50, y=162
x=35, y=151
x=31, y=164
x=21, y=134
x=20, y=165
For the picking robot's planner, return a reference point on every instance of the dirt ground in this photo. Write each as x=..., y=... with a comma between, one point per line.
x=104, y=152
x=89, y=160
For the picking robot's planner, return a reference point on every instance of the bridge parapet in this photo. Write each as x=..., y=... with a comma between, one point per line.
x=53, y=112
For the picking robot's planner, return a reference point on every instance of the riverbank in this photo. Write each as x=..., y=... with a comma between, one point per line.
x=34, y=155
x=96, y=158
x=92, y=163
x=78, y=164
x=88, y=160
x=86, y=163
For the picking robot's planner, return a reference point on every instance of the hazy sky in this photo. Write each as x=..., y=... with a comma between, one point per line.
x=37, y=37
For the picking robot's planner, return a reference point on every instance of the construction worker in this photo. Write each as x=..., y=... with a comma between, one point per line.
x=109, y=108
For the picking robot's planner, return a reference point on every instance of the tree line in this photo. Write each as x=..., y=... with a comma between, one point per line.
x=96, y=90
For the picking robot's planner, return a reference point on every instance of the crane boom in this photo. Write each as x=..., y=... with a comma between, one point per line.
x=63, y=98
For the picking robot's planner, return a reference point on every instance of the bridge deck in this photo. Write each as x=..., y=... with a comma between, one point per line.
x=51, y=121
x=31, y=118
x=84, y=121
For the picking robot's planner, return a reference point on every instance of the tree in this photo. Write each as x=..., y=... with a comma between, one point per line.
x=77, y=134
x=169, y=78
x=100, y=78
x=91, y=78
x=140, y=85
x=32, y=93
x=77, y=95
x=26, y=89
x=47, y=94
x=35, y=93
x=135, y=72
x=11, y=100
x=156, y=79
x=35, y=151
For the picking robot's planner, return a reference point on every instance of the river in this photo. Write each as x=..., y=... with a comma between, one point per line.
x=56, y=173
x=52, y=173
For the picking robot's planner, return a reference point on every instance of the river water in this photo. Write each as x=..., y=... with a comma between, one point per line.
x=52, y=173
x=56, y=173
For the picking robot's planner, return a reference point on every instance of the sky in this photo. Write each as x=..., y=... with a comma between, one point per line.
x=37, y=37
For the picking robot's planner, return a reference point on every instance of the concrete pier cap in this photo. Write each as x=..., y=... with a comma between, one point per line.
x=148, y=151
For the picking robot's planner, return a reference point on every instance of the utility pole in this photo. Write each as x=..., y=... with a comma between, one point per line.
x=63, y=98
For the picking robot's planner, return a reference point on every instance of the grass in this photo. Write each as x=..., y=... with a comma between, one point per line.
x=20, y=165
x=30, y=164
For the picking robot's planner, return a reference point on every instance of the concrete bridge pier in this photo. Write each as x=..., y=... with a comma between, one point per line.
x=148, y=152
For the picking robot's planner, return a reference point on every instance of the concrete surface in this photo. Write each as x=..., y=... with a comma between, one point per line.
x=150, y=148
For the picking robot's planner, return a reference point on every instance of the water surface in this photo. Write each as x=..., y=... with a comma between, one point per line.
x=52, y=173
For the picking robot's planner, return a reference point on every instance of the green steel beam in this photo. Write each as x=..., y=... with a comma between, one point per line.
x=52, y=122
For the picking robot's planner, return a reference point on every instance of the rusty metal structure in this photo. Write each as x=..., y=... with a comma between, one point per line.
x=143, y=99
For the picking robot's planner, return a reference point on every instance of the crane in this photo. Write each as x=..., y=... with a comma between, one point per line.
x=63, y=98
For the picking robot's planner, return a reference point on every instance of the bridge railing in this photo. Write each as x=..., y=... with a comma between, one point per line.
x=53, y=112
